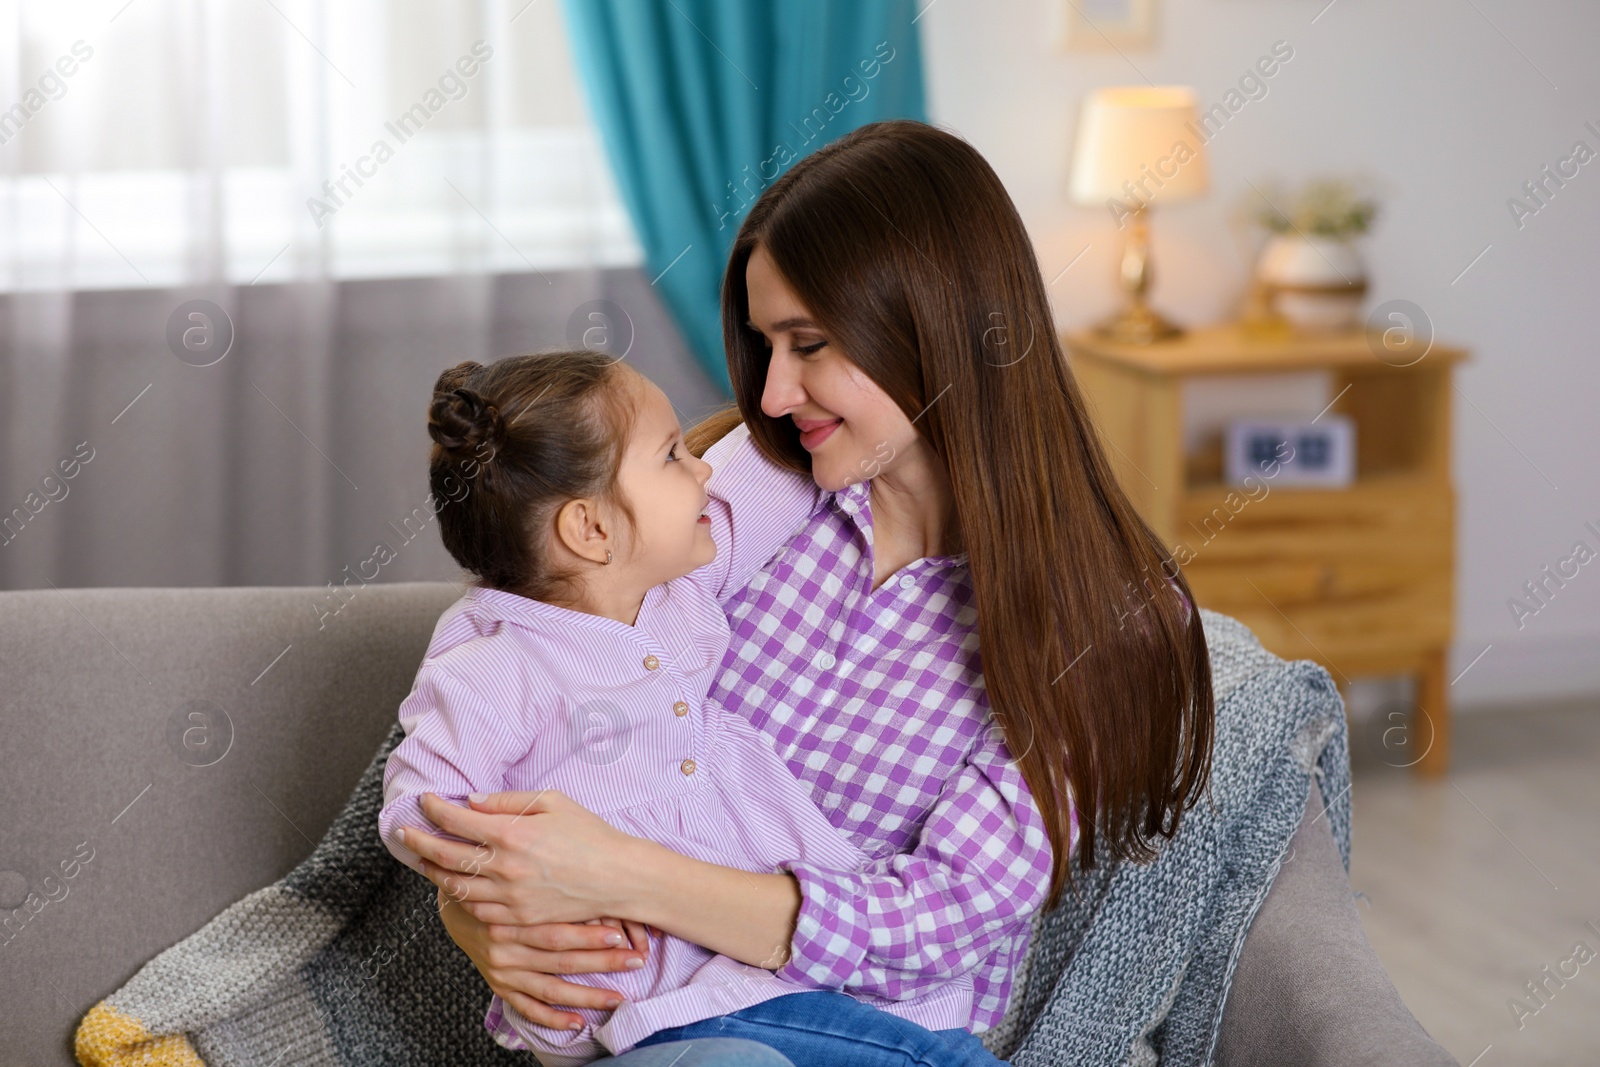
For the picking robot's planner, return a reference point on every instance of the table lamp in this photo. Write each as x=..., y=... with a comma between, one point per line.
x=1137, y=146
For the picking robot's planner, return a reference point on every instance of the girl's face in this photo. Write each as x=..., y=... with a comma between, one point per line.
x=666, y=487
x=851, y=427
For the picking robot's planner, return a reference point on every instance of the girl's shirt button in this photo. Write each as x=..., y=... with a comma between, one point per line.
x=680, y=709
x=906, y=581
x=687, y=766
x=651, y=663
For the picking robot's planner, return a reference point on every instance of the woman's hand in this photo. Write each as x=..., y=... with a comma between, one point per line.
x=548, y=859
x=520, y=962
x=545, y=858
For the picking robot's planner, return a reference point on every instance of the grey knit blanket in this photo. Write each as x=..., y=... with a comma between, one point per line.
x=1135, y=967
x=344, y=962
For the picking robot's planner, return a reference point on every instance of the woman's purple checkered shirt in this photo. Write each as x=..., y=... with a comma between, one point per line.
x=875, y=699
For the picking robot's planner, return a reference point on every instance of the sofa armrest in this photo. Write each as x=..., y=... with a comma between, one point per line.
x=1308, y=989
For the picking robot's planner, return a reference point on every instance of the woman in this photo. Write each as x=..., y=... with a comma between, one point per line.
x=889, y=333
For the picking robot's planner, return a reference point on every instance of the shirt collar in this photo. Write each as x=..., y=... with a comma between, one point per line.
x=536, y=614
x=855, y=501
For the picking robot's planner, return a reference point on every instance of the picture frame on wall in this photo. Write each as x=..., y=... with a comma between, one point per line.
x=1105, y=25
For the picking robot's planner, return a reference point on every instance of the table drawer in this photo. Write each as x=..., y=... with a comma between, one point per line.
x=1386, y=520
x=1335, y=605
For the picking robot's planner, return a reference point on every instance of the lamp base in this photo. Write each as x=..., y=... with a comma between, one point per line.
x=1137, y=324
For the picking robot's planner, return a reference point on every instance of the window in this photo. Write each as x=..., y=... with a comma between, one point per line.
x=172, y=142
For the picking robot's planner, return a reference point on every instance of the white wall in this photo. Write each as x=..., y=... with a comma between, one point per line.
x=1453, y=105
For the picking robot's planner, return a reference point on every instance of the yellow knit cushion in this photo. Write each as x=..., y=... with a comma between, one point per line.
x=109, y=1038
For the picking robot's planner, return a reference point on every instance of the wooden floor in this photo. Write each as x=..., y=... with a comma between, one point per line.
x=1474, y=884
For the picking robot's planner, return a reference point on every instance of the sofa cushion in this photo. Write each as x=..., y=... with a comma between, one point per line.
x=168, y=752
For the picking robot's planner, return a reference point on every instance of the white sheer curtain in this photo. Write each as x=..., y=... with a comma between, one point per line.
x=365, y=191
x=197, y=141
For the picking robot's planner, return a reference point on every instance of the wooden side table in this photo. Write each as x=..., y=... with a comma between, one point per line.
x=1361, y=578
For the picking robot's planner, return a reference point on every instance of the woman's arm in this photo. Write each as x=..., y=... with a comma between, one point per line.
x=913, y=921
x=745, y=915
x=545, y=858
x=519, y=963
x=904, y=926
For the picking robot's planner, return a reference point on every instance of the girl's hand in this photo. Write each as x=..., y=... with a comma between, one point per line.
x=545, y=858
x=519, y=962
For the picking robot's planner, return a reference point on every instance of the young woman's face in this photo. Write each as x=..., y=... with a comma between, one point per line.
x=666, y=487
x=851, y=427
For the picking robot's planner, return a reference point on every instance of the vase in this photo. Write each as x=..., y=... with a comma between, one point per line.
x=1317, y=284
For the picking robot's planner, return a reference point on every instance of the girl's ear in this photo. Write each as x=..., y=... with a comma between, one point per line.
x=583, y=531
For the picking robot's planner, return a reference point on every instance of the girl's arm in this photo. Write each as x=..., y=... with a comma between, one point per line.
x=756, y=506
x=455, y=744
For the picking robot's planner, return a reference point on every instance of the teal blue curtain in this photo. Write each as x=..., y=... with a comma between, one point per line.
x=702, y=104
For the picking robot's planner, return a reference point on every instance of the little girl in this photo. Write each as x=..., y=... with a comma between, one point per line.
x=580, y=662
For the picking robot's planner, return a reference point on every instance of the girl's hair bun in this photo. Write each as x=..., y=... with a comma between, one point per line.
x=455, y=377
x=460, y=419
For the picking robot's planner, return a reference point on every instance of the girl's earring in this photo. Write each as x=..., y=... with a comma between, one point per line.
x=608, y=555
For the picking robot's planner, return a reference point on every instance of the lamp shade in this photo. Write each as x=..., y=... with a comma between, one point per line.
x=1139, y=145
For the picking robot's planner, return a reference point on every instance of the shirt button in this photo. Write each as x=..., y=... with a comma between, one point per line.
x=906, y=581
x=687, y=766
x=680, y=708
x=826, y=661
x=651, y=663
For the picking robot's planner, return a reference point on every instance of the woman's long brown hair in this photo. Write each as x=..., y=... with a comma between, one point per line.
x=901, y=242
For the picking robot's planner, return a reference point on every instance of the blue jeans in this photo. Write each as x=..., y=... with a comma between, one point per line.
x=824, y=1028
x=701, y=1052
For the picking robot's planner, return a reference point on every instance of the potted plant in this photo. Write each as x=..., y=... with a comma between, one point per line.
x=1310, y=266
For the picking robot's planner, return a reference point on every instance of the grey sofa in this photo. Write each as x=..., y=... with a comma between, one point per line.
x=166, y=752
